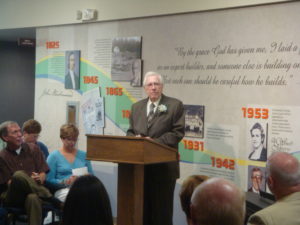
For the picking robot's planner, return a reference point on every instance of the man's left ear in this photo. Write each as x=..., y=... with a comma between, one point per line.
x=270, y=182
x=4, y=138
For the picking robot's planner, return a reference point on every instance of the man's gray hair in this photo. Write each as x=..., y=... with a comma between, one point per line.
x=150, y=74
x=284, y=175
x=3, y=128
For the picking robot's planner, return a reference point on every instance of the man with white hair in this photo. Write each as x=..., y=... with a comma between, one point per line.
x=283, y=177
x=160, y=118
x=217, y=202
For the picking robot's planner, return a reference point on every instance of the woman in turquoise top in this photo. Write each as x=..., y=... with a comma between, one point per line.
x=62, y=162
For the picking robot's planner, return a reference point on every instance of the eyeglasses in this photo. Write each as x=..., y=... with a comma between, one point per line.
x=155, y=84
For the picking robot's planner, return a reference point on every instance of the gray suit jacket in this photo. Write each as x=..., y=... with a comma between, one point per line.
x=165, y=128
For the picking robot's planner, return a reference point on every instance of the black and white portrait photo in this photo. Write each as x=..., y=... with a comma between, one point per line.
x=125, y=51
x=258, y=143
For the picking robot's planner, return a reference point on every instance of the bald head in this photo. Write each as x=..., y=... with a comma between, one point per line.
x=217, y=201
x=283, y=172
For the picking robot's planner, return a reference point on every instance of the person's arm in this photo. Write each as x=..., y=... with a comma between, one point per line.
x=130, y=131
x=176, y=133
x=89, y=166
x=39, y=177
x=5, y=177
x=51, y=175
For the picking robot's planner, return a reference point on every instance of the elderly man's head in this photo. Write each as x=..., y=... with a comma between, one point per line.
x=217, y=201
x=153, y=85
x=283, y=172
x=10, y=132
x=187, y=189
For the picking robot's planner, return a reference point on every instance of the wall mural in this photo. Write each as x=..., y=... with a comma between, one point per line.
x=236, y=71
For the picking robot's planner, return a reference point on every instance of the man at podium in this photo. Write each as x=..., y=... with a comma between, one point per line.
x=160, y=118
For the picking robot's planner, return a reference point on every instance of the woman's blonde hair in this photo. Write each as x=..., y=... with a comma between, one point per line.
x=68, y=130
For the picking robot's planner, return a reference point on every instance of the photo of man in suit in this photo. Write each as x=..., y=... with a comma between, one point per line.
x=161, y=119
x=256, y=179
x=72, y=78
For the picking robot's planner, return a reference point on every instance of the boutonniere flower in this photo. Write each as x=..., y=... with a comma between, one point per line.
x=162, y=108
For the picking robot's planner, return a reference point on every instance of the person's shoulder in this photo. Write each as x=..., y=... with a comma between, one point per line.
x=3, y=152
x=30, y=147
x=270, y=210
x=257, y=219
x=140, y=103
x=41, y=144
x=81, y=153
x=262, y=216
x=54, y=154
x=171, y=99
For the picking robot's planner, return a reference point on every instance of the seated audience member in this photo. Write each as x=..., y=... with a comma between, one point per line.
x=31, y=132
x=256, y=180
x=87, y=203
x=186, y=191
x=283, y=172
x=22, y=174
x=62, y=162
x=217, y=202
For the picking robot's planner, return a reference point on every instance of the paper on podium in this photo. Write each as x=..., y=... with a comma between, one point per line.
x=80, y=171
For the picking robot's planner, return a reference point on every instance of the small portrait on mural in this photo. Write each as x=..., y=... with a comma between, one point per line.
x=136, y=80
x=194, y=121
x=258, y=144
x=72, y=71
x=125, y=51
x=256, y=179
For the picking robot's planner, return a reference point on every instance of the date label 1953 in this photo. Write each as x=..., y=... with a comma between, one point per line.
x=257, y=113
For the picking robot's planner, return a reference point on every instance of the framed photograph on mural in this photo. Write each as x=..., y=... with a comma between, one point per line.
x=256, y=179
x=72, y=69
x=136, y=80
x=194, y=121
x=257, y=136
x=125, y=52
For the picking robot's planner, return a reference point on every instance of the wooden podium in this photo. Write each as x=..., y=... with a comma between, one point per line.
x=131, y=153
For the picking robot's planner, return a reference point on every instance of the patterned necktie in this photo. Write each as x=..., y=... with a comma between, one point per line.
x=151, y=113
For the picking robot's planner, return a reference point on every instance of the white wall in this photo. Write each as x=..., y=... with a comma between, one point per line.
x=35, y=13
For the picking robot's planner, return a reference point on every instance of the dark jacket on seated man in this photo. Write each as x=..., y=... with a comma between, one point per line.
x=23, y=171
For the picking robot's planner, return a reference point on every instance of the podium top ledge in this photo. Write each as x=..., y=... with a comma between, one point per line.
x=130, y=138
